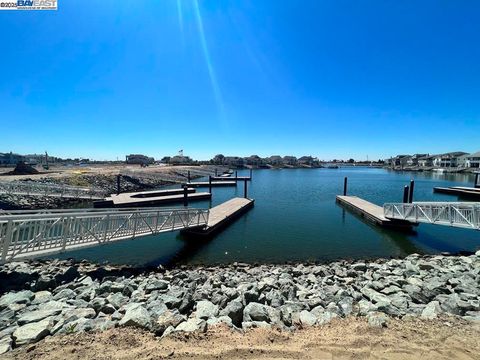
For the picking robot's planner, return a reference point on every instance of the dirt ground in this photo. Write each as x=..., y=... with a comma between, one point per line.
x=351, y=338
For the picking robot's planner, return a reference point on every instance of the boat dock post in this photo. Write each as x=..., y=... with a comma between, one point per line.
x=406, y=189
x=185, y=195
x=410, y=192
x=245, y=188
x=345, y=181
x=118, y=184
x=210, y=182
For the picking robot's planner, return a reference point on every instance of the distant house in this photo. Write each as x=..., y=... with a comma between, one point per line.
x=275, y=160
x=413, y=160
x=473, y=160
x=234, y=161
x=290, y=160
x=426, y=161
x=308, y=160
x=254, y=160
x=462, y=161
x=448, y=159
x=400, y=160
x=139, y=159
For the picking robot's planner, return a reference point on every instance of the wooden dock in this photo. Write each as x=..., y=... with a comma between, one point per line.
x=461, y=191
x=221, y=215
x=371, y=212
x=149, y=198
x=197, y=184
x=231, y=178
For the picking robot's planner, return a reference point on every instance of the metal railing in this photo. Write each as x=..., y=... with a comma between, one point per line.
x=457, y=214
x=44, y=189
x=39, y=233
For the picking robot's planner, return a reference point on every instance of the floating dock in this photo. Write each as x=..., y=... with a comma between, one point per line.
x=231, y=178
x=371, y=212
x=461, y=191
x=222, y=215
x=197, y=184
x=148, y=198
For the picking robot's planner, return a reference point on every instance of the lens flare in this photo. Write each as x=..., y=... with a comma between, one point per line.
x=211, y=72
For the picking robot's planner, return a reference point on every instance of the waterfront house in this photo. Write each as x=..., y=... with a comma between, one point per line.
x=290, y=160
x=234, y=161
x=462, y=161
x=275, y=160
x=254, y=160
x=400, y=160
x=413, y=160
x=448, y=159
x=426, y=161
x=473, y=160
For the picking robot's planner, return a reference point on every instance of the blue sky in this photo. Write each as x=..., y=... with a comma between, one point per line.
x=334, y=79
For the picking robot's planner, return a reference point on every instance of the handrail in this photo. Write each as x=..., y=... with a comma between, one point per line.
x=34, y=235
x=456, y=214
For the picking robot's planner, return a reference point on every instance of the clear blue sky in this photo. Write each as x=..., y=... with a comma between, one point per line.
x=334, y=79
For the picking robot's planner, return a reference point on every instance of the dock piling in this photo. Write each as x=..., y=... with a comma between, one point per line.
x=410, y=193
x=245, y=189
x=210, y=184
x=188, y=175
x=185, y=195
x=405, y=193
x=236, y=175
x=345, y=181
x=118, y=184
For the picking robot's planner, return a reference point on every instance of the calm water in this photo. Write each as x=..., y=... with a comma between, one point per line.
x=296, y=218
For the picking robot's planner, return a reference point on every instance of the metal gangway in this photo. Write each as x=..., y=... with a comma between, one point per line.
x=456, y=214
x=33, y=188
x=36, y=233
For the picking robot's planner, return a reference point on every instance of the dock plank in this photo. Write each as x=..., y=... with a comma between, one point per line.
x=370, y=211
x=221, y=215
x=214, y=183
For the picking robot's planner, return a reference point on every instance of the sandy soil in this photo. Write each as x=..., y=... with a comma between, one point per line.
x=352, y=338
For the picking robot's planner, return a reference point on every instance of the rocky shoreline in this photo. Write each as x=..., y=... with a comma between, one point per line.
x=41, y=299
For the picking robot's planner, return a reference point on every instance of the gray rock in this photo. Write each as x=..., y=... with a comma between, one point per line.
x=234, y=310
x=156, y=308
x=377, y=319
x=37, y=315
x=305, y=318
x=256, y=312
x=33, y=332
x=220, y=320
x=156, y=285
x=374, y=296
x=42, y=297
x=206, y=310
x=117, y=300
x=169, y=318
x=325, y=317
x=136, y=316
x=191, y=325
x=64, y=294
x=5, y=345
x=432, y=310
x=21, y=297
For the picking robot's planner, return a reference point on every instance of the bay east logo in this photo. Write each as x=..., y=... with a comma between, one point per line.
x=28, y=5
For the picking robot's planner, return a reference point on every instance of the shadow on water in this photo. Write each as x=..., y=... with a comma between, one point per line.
x=189, y=249
x=399, y=237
